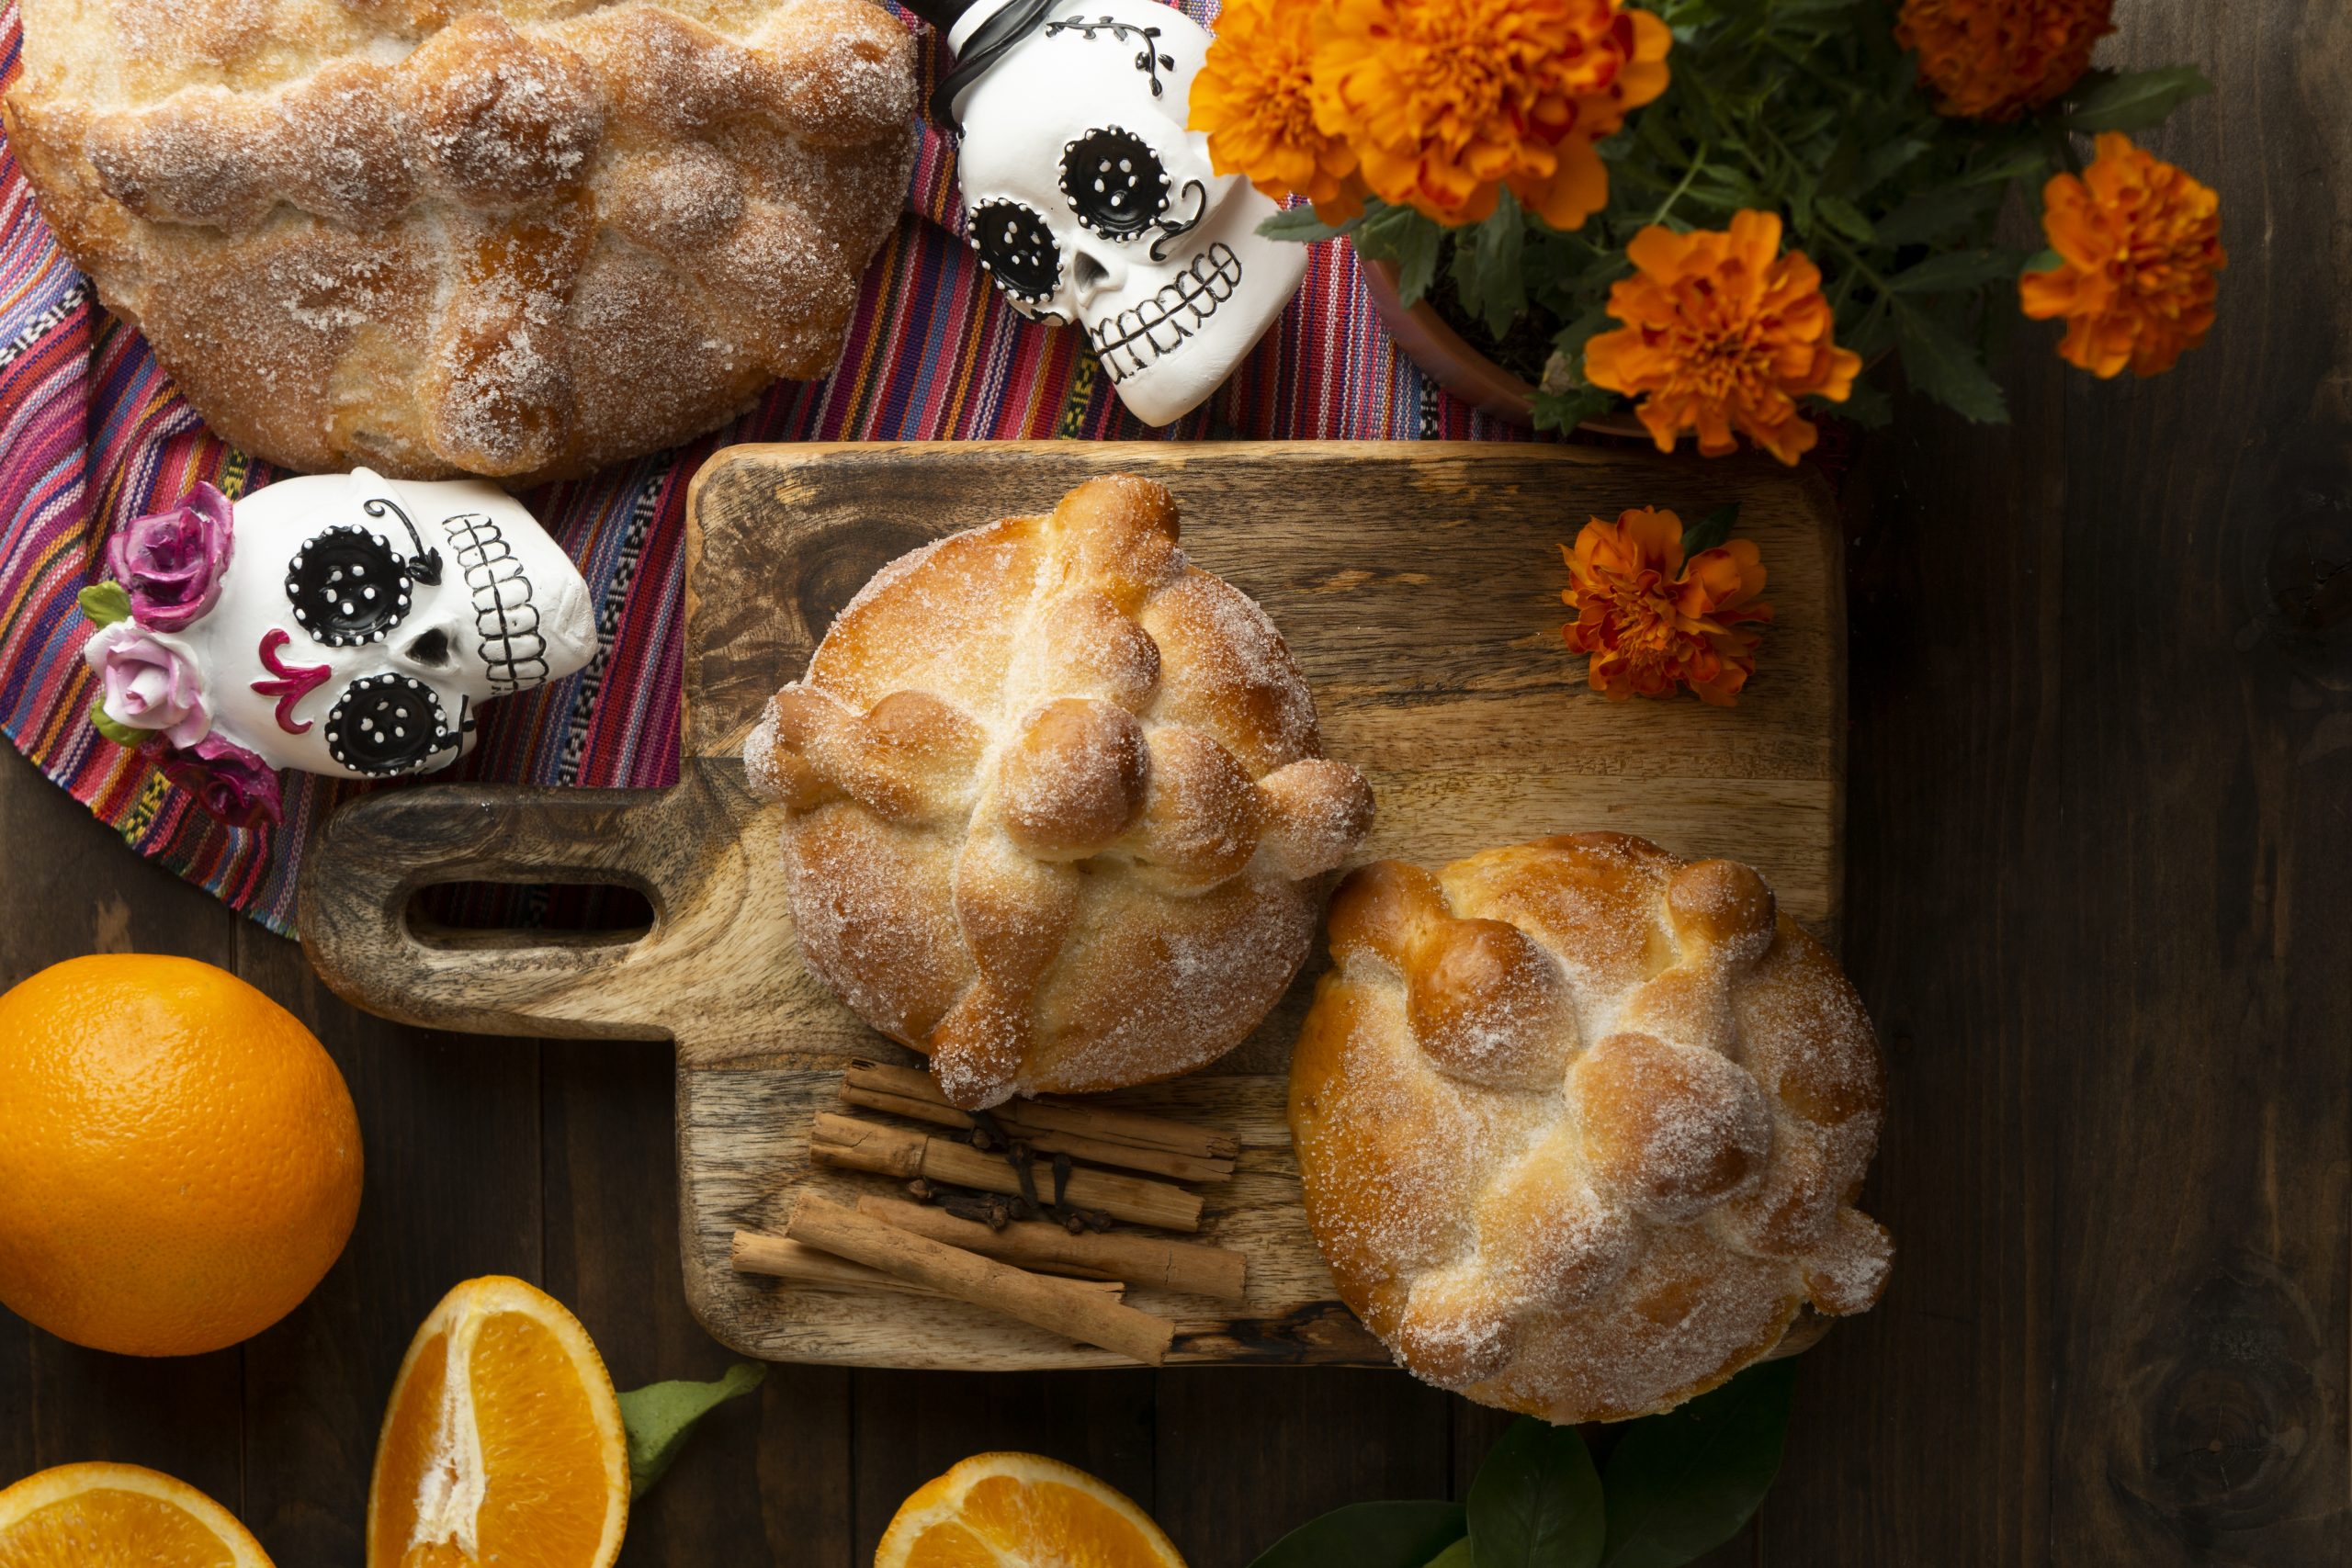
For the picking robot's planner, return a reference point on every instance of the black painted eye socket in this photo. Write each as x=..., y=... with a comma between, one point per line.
x=348, y=586
x=1017, y=249
x=1115, y=182
x=387, y=724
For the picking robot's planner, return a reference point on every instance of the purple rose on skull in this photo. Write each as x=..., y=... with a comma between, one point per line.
x=171, y=563
x=233, y=784
x=147, y=683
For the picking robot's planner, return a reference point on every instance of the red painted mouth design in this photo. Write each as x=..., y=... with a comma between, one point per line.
x=294, y=681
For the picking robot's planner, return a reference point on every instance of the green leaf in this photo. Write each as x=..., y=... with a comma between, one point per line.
x=1866, y=405
x=1370, y=1535
x=1844, y=216
x=2137, y=100
x=1300, y=224
x=1458, y=1556
x=1932, y=214
x=1682, y=1484
x=1954, y=271
x=1381, y=231
x=1711, y=530
x=1889, y=159
x=1938, y=364
x=1488, y=266
x=1417, y=261
x=1565, y=411
x=2041, y=261
x=661, y=1417
x=1536, y=1502
x=120, y=734
x=105, y=603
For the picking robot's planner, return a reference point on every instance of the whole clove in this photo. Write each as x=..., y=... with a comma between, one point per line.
x=1061, y=1179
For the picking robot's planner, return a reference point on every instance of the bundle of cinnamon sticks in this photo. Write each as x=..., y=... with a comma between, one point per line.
x=1029, y=1236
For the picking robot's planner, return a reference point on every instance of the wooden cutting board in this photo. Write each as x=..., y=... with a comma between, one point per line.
x=1417, y=584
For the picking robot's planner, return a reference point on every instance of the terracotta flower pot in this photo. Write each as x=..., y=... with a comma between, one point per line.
x=1458, y=366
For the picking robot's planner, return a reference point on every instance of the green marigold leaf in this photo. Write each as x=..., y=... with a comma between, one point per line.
x=1711, y=530
x=1955, y=271
x=1417, y=253
x=1947, y=370
x=2136, y=101
x=1300, y=224
x=1563, y=412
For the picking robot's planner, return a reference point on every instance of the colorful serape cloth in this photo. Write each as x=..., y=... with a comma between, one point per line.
x=92, y=433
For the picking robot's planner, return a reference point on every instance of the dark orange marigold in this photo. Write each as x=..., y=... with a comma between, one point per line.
x=1449, y=102
x=1997, y=59
x=1653, y=621
x=1721, y=332
x=1254, y=98
x=2139, y=243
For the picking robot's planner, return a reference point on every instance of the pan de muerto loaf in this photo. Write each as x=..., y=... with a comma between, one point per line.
x=1582, y=1124
x=504, y=237
x=1058, y=809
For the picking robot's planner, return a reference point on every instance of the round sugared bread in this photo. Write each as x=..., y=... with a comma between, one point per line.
x=1057, y=807
x=1582, y=1124
x=504, y=237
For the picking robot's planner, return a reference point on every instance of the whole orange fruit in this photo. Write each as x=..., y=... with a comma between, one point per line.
x=179, y=1158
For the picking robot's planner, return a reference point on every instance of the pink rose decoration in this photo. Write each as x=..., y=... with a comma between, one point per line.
x=171, y=563
x=233, y=784
x=147, y=684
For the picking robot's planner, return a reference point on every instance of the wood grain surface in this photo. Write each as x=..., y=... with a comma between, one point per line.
x=2095, y=895
x=1418, y=586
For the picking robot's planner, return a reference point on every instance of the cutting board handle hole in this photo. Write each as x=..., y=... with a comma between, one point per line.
x=493, y=914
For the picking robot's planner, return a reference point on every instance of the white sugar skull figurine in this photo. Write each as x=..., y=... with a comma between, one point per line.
x=347, y=625
x=1092, y=204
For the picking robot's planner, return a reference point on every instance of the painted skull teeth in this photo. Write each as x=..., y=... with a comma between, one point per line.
x=509, y=642
x=1135, y=339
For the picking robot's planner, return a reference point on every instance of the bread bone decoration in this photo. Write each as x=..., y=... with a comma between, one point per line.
x=346, y=625
x=1092, y=202
x=1582, y=1125
x=1054, y=803
x=506, y=238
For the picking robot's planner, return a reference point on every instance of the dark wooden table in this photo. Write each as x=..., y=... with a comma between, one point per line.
x=2100, y=903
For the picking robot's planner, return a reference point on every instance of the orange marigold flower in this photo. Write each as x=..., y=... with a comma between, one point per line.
x=1447, y=102
x=1652, y=620
x=1721, y=332
x=2139, y=242
x=1253, y=98
x=1996, y=59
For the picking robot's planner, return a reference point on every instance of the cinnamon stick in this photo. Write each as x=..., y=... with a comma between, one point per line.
x=1102, y=1123
x=1051, y=1305
x=1132, y=1156
x=849, y=1143
x=1142, y=1261
x=781, y=1257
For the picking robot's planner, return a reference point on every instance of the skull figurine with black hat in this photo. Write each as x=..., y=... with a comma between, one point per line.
x=347, y=625
x=1090, y=201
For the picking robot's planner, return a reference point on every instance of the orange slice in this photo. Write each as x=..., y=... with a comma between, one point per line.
x=79, y=1514
x=1008, y=1510
x=503, y=1443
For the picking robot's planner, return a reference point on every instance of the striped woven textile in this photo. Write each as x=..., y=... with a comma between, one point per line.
x=92, y=433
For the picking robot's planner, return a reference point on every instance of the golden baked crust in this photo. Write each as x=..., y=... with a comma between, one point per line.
x=1058, y=809
x=1582, y=1125
x=519, y=238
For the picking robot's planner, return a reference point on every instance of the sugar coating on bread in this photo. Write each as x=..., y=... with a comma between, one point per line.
x=1582, y=1124
x=1058, y=811
x=516, y=239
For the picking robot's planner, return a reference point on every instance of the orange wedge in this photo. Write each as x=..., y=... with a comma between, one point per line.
x=1022, y=1511
x=80, y=1515
x=503, y=1443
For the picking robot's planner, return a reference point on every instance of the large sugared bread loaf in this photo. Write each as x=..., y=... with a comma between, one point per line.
x=501, y=237
x=1582, y=1125
x=1057, y=807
